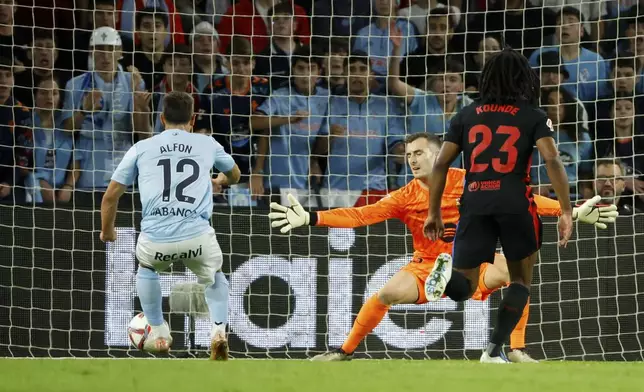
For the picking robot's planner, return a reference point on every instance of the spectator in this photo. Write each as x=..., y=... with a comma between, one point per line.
x=522, y=26
x=335, y=67
x=572, y=141
x=273, y=62
x=338, y=19
x=56, y=166
x=610, y=180
x=15, y=137
x=152, y=30
x=42, y=58
x=635, y=48
x=374, y=39
x=431, y=110
x=420, y=9
x=103, y=15
x=208, y=64
x=555, y=74
x=103, y=107
x=12, y=37
x=364, y=129
x=129, y=10
x=623, y=82
x=487, y=46
x=177, y=68
x=295, y=114
x=588, y=71
x=228, y=104
x=432, y=50
x=620, y=137
x=249, y=19
x=593, y=12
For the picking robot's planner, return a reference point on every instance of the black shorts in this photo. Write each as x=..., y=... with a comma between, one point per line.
x=477, y=235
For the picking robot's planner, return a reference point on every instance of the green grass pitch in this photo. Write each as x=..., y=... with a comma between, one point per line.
x=69, y=375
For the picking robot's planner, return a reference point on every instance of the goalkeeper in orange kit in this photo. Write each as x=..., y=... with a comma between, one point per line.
x=410, y=205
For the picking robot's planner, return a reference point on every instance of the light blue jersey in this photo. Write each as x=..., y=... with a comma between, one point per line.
x=173, y=171
x=358, y=159
x=291, y=145
x=106, y=135
x=376, y=43
x=589, y=74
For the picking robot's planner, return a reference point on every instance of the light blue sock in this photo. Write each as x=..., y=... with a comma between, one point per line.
x=149, y=289
x=217, y=299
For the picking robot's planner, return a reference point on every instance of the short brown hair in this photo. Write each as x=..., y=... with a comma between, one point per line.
x=178, y=108
x=423, y=135
x=239, y=47
x=610, y=161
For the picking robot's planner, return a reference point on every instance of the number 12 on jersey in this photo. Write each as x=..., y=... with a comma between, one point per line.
x=167, y=179
x=508, y=148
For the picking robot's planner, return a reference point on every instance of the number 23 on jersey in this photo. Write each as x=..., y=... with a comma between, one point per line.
x=481, y=135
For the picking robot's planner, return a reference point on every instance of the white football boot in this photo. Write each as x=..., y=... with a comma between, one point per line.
x=501, y=359
x=520, y=356
x=159, y=339
x=437, y=280
x=218, y=343
x=332, y=356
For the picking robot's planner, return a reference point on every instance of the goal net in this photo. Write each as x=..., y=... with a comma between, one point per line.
x=323, y=129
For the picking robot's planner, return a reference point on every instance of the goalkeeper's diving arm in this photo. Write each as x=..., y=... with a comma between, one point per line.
x=288, y=218
x=588, y=212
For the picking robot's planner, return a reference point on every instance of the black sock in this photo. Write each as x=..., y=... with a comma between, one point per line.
x=510, y=311
x=458, y=287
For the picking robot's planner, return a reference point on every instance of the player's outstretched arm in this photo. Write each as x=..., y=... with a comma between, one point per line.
x=288, y=218
x=559, y=179
x=433, y=227
x=108, y=210
x=589, y=212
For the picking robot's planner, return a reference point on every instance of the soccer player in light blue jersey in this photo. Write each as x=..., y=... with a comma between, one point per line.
x=173, y=170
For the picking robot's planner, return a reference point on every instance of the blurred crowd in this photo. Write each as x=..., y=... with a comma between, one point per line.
x=310, y=97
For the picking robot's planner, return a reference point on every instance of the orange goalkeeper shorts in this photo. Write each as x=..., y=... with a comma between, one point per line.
x=421, y=269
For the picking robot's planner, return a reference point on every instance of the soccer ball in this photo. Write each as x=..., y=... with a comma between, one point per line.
x=138, y=331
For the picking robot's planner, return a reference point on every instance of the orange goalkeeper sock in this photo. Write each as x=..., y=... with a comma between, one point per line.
x=368, y=318
x=517, y=338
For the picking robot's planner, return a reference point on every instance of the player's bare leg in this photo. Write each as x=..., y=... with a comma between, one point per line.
x=497, y=276
x=511, y=307
x=402, y=288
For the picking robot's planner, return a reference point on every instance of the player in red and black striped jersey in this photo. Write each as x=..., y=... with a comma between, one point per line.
x=497, y=135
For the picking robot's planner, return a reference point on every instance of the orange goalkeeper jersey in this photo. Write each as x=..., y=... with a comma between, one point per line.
x=410, y=204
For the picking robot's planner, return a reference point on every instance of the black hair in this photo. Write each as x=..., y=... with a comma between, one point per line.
x=508, y=77
x=6, y=64
x=625, y=60
x=569, y=123
x=111, y=3
x=284, y=8
x=307, y=54
x=569, y=10
x=44, y=34
x=152, y=12
x=178, y=51
x=443, y=11
x=358, y=56
x=240, y=46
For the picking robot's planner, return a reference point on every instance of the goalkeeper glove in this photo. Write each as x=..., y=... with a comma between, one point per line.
x=591, y=214
x=289, y=218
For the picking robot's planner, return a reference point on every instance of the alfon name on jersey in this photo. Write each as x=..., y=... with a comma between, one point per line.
x=175, y=147
x=165, y=211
